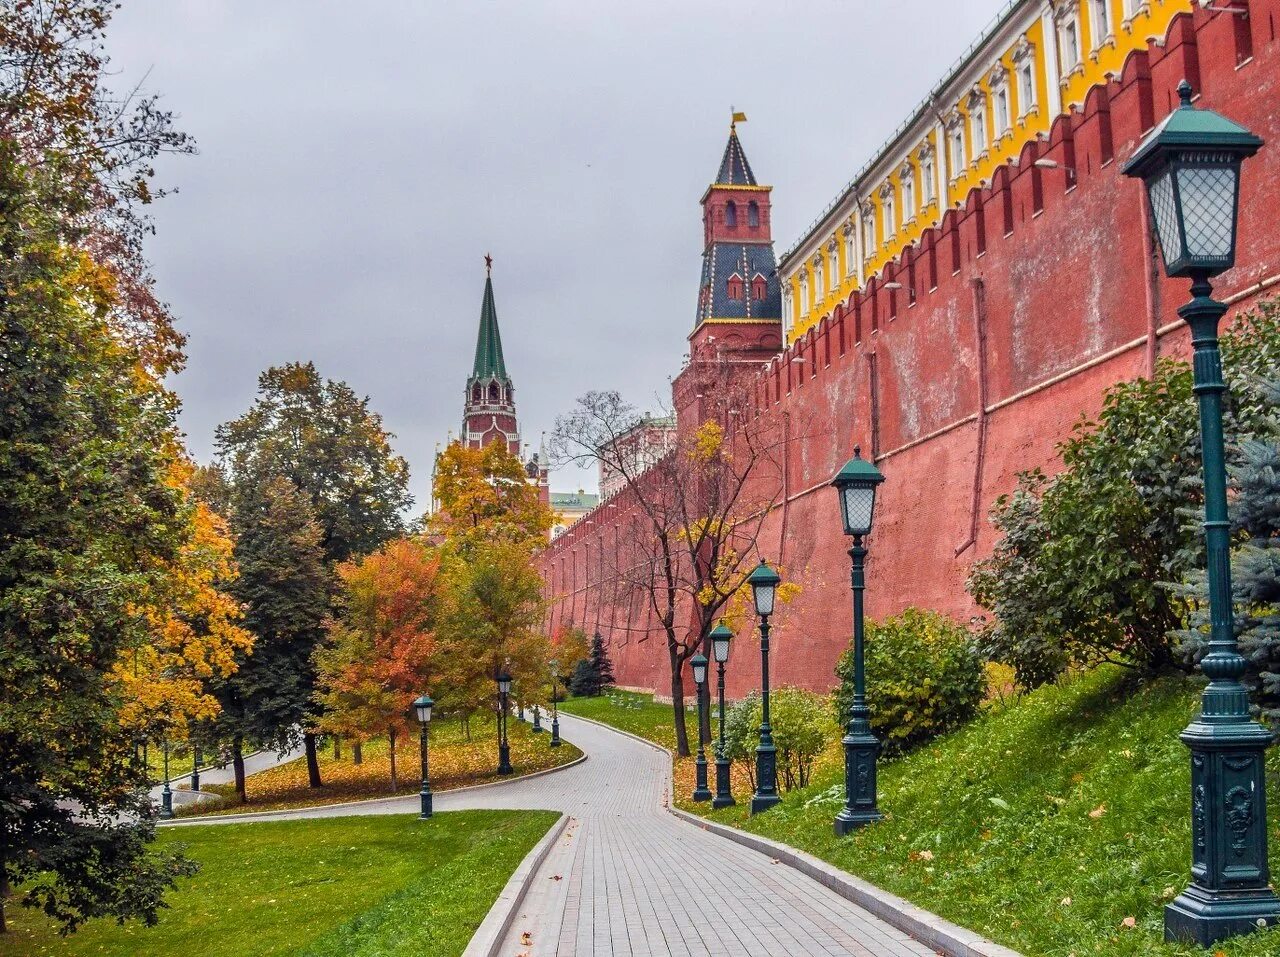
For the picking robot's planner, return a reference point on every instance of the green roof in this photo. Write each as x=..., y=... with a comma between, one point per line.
x=574, y=500
x=489, y=363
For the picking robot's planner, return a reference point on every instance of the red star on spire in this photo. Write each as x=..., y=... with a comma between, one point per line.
x=488, y=265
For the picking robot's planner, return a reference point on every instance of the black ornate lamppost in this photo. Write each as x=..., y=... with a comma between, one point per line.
x=700, y=790
x=555, y=703
x=720, y=637
x=195, y=767
x=504, y=747
x=422, y=706
x=764, y=583
x=1191, y=165
x=537, y=720
x=856, y=484
x=166, y=795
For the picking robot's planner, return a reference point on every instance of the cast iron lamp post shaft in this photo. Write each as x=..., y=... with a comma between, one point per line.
x=766, y=795
x=425, y=793
x=861, y=746
x=1229, y=892
x=166, y=795
x=555, y=713
x=504, y=745
x=724, y=793
x=700, y=790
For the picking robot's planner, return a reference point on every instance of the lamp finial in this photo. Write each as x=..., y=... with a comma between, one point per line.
x=1185, y=93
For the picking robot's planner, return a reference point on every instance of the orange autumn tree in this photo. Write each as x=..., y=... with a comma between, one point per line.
x=381, y=646
x=489, y=525
x=192, y=635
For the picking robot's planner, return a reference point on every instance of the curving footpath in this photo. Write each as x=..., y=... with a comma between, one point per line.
x=627, y=878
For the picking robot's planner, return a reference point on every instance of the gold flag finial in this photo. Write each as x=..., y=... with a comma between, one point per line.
x=737, y=118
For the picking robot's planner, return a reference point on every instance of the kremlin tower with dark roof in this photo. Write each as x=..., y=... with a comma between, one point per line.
x=739, y=299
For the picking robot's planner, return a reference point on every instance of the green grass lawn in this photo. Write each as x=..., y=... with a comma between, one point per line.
x=1044, y=824
x=338, y=887
x=629, y=711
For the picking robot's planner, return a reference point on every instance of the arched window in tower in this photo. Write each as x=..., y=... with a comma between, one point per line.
x=494, y=393
x=477, y=394
x=758, y=287
x=731, y=214
x=753, y=214
x=735, y=287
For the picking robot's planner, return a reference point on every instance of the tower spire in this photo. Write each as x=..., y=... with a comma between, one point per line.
x=489, y=409
x=489, y=362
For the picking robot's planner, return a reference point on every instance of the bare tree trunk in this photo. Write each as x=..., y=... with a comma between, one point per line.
x=237, y=763
x=677, y=707
x=337, y=748
x=357, y=752
x=391, y=737
x=313, y=761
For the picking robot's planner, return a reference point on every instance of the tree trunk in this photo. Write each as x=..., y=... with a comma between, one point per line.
x=337, y=748
x=237, y=763
x=391, y=737
x=677, y=706
x=313, y=761
x=357, y=752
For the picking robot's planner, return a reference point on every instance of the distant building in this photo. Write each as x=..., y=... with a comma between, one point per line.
x=637, y=449
x=569, y=507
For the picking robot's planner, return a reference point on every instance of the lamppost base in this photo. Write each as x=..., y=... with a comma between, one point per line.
x=166, y=806
x=555, y=733
x=847, y=821
x=1207, y=917
x=504, y=760
x=700, y=790
x=762, y=802
x=724, y=794
x=426, y=806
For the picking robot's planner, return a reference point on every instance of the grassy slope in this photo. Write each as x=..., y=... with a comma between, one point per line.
x=1044, y=824
x=455, y=762
x=355, y=887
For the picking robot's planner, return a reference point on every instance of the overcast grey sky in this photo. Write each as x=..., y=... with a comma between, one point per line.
x=357, y=160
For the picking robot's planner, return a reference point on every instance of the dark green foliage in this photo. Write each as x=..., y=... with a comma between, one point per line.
x=925, y=677
x=322, y=437
x=86, y=521
x=1255, y=569
x=1079, y=575
x=593, y=674
x=802, y=727
x=284, y=587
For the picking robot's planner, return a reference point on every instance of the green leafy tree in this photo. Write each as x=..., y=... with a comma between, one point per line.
x=927, y=673
x=1080, y=573
x=1255, y=570
x=88, y=520
x=284, y=586
x=325, y=441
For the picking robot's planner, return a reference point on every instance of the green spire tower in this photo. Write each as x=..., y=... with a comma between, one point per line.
x=489, y=409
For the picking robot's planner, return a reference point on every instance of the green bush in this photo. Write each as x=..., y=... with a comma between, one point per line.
x=1080, y=573
x=801, y=725
x=924, y=678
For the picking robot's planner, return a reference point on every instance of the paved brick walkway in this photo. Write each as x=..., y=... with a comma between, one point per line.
x=628, y=879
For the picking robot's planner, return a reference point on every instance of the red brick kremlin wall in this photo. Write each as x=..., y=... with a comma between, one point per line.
x=1028, y=302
